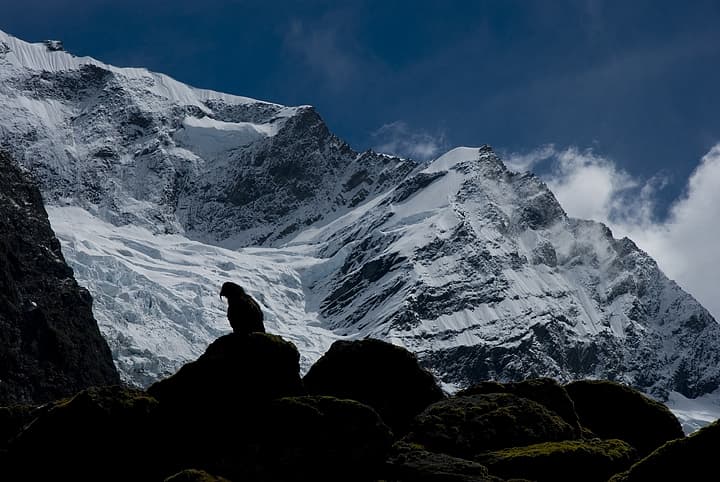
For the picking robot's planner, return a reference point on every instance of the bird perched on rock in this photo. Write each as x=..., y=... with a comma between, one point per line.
x=243, y=312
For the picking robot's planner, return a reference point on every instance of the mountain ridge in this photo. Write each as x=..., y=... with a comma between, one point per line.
x=474, y=267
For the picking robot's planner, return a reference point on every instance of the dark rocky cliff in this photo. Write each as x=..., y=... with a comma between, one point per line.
x=50, y=344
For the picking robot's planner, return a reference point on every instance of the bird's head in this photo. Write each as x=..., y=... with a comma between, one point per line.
x=231, y=289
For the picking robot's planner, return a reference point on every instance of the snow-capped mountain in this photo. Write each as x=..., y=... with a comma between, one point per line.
x=159, y=192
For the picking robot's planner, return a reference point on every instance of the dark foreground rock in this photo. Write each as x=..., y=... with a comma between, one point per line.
x=691, y=458
x=379, y=374
x=319, y=438
x=235, y=371
x=193, y=475
x=612, y=410
x=470, y=425
x=102, y=433
x=412, y=463
x=211, y=408
x=544, y=391
x=50, y=344
x=592, y=460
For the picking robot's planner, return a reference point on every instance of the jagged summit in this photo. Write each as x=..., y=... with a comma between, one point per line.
x=161, y=192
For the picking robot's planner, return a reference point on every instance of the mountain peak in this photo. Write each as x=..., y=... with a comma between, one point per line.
x=161, y=192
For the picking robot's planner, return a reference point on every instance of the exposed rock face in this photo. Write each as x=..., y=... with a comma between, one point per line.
x=50, y=344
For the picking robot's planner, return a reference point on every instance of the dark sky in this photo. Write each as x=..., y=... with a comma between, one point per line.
x=636, y=81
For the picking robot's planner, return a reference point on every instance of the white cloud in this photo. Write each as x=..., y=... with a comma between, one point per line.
x=686, y=244
x=398, y=139
x=525, y=161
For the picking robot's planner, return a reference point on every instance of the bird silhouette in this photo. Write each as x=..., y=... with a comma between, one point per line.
x=243, y=312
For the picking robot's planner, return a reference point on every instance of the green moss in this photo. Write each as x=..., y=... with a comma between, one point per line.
x=465, y=426
x=411, y=462
x=571, y=460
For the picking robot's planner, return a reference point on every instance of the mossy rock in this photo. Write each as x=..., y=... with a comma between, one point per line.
x=376, y=373
x=689, y=458
x=319, y=438
x=102, y=433
x=210, y=407
x=611, y=410
x=544, y=391
x=593, y=460
x=193, y=475
x=413, y=463
x=469, y=425
x=235, y=371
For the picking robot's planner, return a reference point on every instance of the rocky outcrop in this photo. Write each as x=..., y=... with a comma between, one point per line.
x=50, y=344
x=379, y=374
x=235, y=371
x=239, y=412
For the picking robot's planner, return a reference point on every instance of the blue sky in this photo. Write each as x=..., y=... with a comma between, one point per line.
x=615, y=98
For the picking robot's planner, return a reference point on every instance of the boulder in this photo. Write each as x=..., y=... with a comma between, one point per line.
x=235, y=371
x=193, y=475
x=689, y=458
x=592, y=460
x=544, y=391
x=379, y=374
x=319, y=438
x=102, y=433
x=470, y=425
x=413, y=463
x=209, y=408
x=611, y=410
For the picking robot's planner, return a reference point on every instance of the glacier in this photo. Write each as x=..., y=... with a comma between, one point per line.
x=160, y=192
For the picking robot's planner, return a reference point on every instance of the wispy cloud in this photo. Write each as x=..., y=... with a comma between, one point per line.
x=397, y=138
x=326, y=48
x=525, y=161
x=685, y=243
